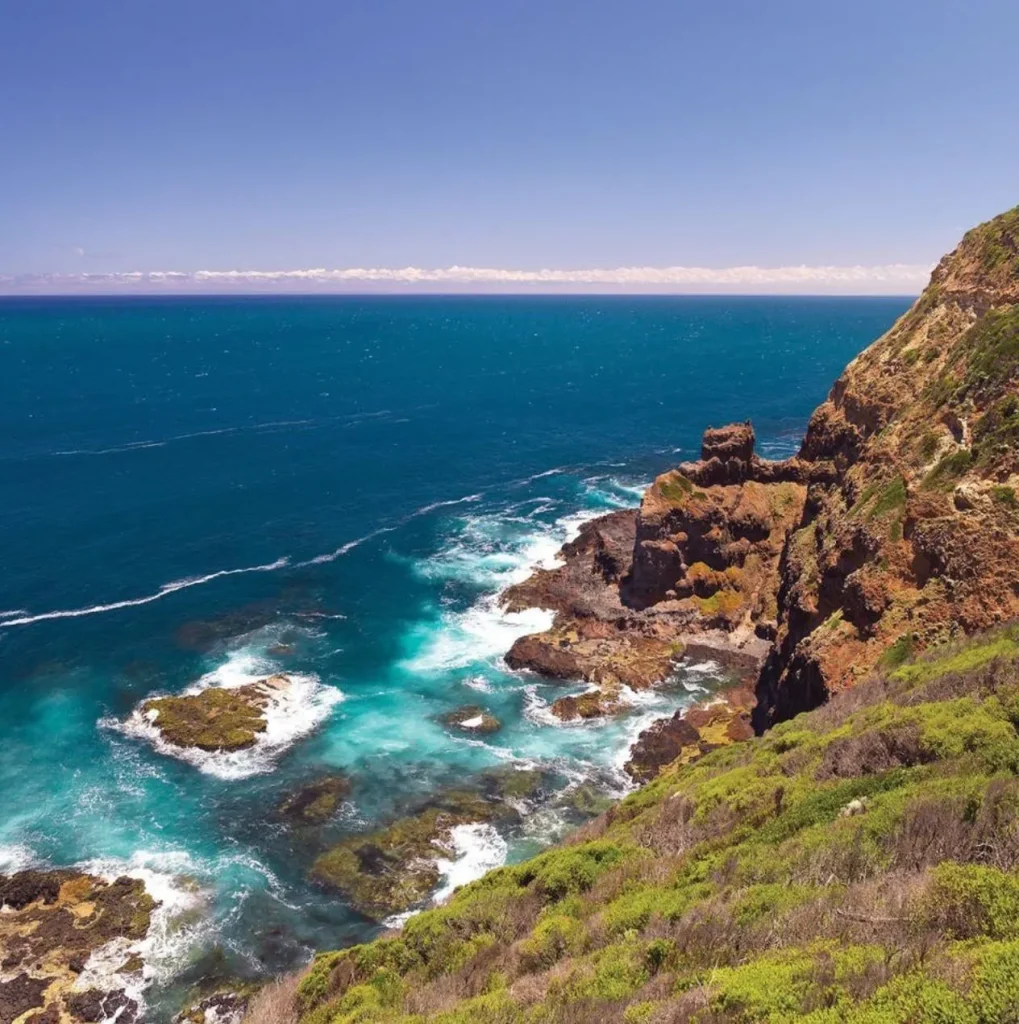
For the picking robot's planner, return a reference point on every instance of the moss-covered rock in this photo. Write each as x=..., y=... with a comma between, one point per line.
x=315, y=802
x=394, y=868
x=216, y=718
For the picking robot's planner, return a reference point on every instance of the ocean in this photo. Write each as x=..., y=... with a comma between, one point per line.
x=204, y=491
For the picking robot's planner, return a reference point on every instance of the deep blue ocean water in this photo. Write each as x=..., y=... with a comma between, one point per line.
x=203, y=491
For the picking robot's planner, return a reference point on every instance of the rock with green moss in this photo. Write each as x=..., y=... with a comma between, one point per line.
x=217, y=718
x=315, y=802
x=395, y=868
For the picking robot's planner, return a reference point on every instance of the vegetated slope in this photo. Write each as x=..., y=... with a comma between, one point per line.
x=857, y=863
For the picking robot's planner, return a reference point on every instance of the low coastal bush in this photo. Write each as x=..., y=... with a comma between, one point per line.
x=857, y=863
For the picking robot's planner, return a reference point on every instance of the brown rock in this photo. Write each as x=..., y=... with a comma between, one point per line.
x=471, y=719
x=51, y=924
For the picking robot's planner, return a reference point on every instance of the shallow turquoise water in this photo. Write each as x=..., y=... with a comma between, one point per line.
x=189, y=484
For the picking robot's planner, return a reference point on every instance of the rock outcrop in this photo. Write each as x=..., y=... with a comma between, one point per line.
x=692, y=732
x=471, y=719
x=217, y=718
x=694, y=569
x=51, y=925
x=396, y=867
x=895, y=528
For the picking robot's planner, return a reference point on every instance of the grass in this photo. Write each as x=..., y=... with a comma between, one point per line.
x=858, y=863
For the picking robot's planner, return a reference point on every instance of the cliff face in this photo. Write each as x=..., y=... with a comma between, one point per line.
x=915, y=537
x=894, y=529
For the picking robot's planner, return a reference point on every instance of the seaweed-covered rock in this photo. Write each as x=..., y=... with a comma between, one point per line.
x=471, y=718
x=315, y=802
x=50, y=925
x=217, y=718
x=395, y=867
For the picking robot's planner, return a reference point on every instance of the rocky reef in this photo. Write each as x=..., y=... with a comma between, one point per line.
x=216, y=718
x=54, y=925
x=471, y=718
x=895, y=528
x=315, y=802
x=396, y=867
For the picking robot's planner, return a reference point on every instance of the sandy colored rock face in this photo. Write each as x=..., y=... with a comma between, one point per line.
x=51, y=923
x=216, y=718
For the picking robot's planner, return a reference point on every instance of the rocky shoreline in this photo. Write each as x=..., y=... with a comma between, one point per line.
x=55, y=927
x=893, y=529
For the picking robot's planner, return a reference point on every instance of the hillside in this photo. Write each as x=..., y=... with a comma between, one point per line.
x=854, y=864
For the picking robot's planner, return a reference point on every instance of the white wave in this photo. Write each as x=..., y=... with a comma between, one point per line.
x=344, y=548
x=178, y=924
x=425, y=509
x=473, y=851
x=479, y=683
x=15, y=857
x=476, y=849
x=164, y=591
x=482, y=633
x=12, y=613
x=292, y=712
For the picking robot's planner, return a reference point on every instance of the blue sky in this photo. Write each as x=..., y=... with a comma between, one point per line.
x=242, y=135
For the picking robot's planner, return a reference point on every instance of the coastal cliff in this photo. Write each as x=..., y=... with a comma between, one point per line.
x=857, y=863
x=895, y=528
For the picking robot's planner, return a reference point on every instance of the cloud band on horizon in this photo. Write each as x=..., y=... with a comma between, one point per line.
x=881, y=278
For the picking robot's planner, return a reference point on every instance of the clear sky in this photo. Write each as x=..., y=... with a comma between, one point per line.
x=240, y=135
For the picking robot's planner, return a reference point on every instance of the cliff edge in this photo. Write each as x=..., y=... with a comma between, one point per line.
x=895, y=528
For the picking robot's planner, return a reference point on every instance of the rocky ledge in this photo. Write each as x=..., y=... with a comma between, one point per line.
x=895, y=528
x=52, y=924
x=694, y=571
x=217, y=718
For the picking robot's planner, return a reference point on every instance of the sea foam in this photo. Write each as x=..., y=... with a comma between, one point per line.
x=292, y=712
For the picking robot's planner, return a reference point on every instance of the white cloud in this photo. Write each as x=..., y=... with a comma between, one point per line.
x=883, y=278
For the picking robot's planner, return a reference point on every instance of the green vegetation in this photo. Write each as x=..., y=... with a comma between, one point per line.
x=215, y=718
x=859, y=863
x=996, y=244
x=678, y=489
x=949, y=468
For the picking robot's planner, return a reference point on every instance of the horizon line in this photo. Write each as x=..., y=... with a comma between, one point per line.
x=240, y=294
x=892, y=278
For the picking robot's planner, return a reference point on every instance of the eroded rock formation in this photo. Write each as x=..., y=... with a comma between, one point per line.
x=895, y=528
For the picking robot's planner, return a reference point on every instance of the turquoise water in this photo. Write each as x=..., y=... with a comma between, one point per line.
x=200, y=492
